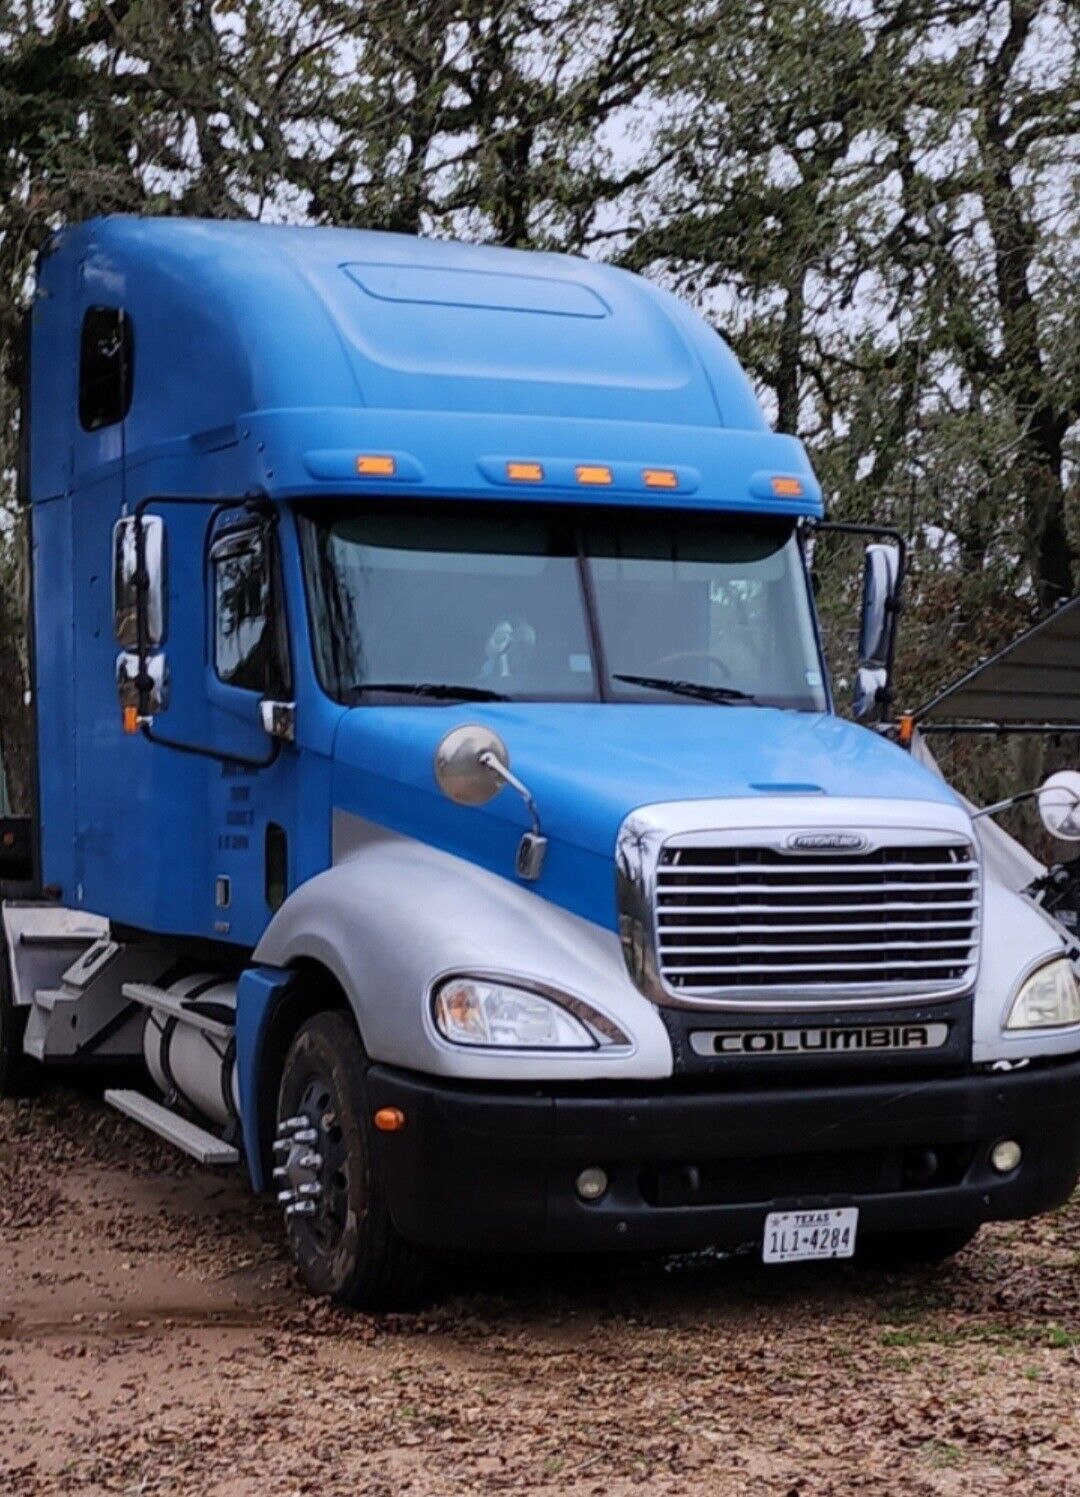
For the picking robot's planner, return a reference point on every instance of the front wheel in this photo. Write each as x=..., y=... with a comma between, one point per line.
x=327, y=1175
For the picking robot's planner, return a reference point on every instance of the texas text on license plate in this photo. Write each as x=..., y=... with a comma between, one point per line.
x=796, y=1236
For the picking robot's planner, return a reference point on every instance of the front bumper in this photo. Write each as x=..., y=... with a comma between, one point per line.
x=493, y=1168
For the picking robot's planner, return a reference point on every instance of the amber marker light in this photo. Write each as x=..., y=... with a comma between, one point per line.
x=660, y=478
x=906, y=729
x=787, y=488
x=594, y=473
x=525, y=472
x=131, y=719
x=389, y=1120
x=375, y=465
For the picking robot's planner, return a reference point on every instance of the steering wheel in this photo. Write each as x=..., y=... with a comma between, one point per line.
x=663, y=666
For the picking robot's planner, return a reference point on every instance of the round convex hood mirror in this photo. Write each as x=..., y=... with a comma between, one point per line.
x=460, y=772
x=1059, y=805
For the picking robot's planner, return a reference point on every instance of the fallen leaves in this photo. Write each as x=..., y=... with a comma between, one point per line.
x=702, y=1377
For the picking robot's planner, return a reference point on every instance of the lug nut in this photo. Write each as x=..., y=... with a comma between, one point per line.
x=591, y=1183
x=1006, y=1155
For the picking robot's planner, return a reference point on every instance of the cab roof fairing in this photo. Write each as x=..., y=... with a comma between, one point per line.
x=380, y=337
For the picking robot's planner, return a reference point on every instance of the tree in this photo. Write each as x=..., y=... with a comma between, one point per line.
x=877, y=204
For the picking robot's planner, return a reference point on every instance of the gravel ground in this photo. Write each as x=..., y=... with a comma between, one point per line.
x=154, y=1340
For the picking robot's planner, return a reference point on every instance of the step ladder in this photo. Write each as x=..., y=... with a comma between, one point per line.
x=198, y=1142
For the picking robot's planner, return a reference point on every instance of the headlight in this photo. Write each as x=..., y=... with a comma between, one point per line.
x=469, y=1011
x=1049, y=999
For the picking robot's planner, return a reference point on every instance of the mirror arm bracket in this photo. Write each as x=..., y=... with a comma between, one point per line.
x=532, y=849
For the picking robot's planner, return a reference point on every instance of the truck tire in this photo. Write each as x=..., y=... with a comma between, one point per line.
x=928, y=1246
x=19, y=1076
x=347, y=1247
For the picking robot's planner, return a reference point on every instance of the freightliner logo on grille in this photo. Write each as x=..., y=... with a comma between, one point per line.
x=842, y=1040
x=827, y=842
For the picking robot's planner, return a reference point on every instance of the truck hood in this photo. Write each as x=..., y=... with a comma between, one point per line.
x=589, y=765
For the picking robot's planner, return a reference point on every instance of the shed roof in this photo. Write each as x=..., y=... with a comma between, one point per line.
x=1033, y=681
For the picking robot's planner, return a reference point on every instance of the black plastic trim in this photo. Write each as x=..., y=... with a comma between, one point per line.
x=493, y=1168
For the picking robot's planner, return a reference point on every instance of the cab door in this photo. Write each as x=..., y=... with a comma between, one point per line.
x=253, y=789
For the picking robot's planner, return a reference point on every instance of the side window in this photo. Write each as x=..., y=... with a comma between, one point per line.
x=250, y=642
x=106, y=368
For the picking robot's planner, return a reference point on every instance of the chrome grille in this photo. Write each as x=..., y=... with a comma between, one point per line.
x=757, y=921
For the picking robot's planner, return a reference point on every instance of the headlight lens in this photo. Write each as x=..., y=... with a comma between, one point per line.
x=469, y=1011
x=1049, y=999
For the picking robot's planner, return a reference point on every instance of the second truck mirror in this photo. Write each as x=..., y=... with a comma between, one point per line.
x=880, y=577
x=879, y=589
x=125, y=581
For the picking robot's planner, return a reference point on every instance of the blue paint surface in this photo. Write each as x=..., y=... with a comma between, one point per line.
x=265, y=359
x=257, y=992
x=590, y=764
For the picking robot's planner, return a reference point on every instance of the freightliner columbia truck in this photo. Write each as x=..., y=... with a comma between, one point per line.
x=439, y=786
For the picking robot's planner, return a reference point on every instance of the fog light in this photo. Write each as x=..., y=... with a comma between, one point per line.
x=1006, y=1155
x=591, y=1183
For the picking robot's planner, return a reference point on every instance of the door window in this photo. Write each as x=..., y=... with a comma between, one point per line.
x=250, y=647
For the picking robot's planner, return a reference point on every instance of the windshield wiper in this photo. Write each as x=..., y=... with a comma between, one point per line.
x=437, y=690
x=689, y=688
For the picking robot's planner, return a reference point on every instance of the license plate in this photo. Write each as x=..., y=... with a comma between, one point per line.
x=799, y=1236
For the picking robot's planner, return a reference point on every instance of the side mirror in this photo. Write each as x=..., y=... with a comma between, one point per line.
x=1059, y=805
x=463, y=765
x=472, y=765
x=134, y=592
x=127, y=681
x=125, y=581
x=881, y=577
x=279, y=720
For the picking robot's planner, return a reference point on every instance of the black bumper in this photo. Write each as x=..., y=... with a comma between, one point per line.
x=483, y=1168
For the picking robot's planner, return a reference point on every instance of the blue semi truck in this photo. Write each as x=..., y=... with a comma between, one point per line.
x=439, y=788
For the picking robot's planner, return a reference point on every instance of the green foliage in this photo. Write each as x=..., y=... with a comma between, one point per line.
x=877, y=204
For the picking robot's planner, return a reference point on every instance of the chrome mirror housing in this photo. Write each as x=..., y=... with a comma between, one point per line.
x=463, y=765
x=127, y=681
x=125, y=580
x=869, y=684
x=1059, y=805
x=279, y=720
x=880, y=575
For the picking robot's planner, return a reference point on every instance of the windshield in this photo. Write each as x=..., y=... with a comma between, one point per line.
x=538, y=603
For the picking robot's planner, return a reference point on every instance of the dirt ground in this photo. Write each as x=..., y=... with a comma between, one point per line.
x=153, y=1340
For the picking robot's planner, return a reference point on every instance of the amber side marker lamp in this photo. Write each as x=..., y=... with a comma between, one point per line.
x=906, y=729
x=525, y=472
x=375, y=465
x=787, y=488
x=594, y=473
x=131, y=719
x=389, y=1119
x=660, y=478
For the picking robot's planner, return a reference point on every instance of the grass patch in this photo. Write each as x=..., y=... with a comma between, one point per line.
x=1055, y=1337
